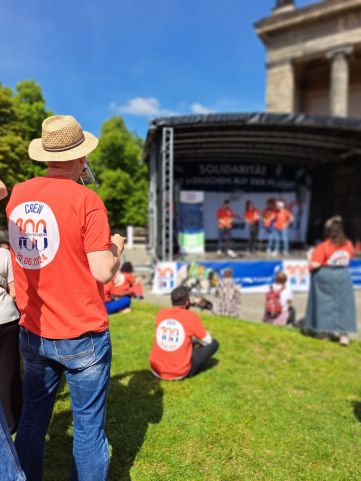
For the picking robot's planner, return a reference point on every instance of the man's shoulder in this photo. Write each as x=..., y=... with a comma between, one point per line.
x=177, y=314
x=27, y=184
x=91, y=197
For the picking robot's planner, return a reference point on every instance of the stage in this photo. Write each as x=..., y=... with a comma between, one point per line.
x=197, y=162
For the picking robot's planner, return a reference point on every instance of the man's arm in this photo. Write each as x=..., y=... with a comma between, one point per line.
x=206, y=340
x=104, y=264
x=3, y=190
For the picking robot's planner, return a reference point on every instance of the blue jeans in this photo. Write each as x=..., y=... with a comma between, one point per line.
x=85, y=361
x=224, y=239
x=282, y=234
x=118, y=305
x=271, y=234
x=10, y=469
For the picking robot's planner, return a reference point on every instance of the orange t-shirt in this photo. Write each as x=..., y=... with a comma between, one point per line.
x=268, y=216
x=225, y=218
x=122, y=283
x=108, y=291
x=282, y=218
x=53, y=224
x=328, y=254
x=251, y=216
x=171, y=354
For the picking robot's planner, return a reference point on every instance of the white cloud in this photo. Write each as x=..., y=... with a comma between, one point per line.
x=198, y=108
x=141, y=107
x=150, y=107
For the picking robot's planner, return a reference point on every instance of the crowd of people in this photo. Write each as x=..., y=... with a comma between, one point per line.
x=62, y=277
x=58, y=283
x=62, y=255
x=330, y=311
x=275, y=219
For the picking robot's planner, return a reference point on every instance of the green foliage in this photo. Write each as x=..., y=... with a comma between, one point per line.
x=21, y=116
x=277, y=407
x=116, y=162
x=117, y=165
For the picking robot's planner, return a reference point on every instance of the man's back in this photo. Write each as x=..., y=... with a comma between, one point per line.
x=53, y=223
x=170, y=357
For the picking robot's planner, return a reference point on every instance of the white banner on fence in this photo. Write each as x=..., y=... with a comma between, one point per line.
x=298, y=274
x=165, y=277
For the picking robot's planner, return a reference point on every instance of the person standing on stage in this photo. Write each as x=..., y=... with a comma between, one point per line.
x=251, y=218
x=225, y=218
x=268, y=219
x=283, y=218
x=62, y=254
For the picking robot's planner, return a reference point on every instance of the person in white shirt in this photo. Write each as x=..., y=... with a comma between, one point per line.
x=10, y=469
x=10, y=385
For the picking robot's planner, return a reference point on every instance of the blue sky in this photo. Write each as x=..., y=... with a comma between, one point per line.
x=136, y=58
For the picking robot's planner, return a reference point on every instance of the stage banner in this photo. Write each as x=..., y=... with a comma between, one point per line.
x=165, y=277
x=355, y=269
x=251, y=276
x=190, y=222
x=241, y=176
x=298, y=274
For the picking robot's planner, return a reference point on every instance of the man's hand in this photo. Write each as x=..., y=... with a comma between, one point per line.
x=104, y=264
x=117, y=244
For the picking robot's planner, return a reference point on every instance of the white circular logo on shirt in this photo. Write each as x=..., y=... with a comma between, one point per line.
x=33, y=234
x=170, y=335
x=119, y=279
x=340, y=258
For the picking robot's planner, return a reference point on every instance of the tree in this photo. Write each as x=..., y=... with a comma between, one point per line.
x=21, y=116
x=122, y=175
x=117, y=162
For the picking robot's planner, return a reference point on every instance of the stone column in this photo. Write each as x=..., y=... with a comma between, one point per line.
x=280, y=87
x=340, y=74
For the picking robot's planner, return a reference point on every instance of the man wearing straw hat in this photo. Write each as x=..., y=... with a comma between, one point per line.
x=62, y=254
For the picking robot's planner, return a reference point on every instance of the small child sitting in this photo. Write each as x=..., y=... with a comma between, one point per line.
x=227, y=297
x=278, y=304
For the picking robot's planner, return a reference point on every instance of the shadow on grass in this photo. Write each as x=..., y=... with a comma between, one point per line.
x=210, y=364
x=357, y=410
x=135, y=400
x=321, y=335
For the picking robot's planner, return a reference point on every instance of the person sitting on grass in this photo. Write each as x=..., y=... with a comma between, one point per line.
x=114, y=305
x=278, y=306
x=181, y=344
x=126, y=284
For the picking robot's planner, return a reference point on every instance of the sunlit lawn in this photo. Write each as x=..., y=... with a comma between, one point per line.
x=276, y=407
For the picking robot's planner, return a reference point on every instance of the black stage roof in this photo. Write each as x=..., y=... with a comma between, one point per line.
x=259, y=137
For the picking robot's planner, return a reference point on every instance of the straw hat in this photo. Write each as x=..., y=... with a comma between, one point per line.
x=62, y=139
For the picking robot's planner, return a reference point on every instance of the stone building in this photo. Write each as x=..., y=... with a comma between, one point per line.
x=313, y=57
x=314, y=68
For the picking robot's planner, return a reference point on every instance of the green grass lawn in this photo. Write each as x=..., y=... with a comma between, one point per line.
x=277, y=406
